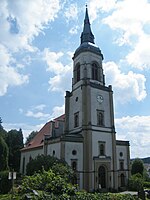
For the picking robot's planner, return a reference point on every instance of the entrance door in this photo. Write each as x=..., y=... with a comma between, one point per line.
x=102, y=177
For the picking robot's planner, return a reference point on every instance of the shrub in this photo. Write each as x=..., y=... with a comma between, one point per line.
x=5, y=183
x=146, y=185
x=47, y=181
x=136, y=182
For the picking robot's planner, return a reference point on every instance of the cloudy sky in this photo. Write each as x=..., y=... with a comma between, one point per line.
x=37, y=42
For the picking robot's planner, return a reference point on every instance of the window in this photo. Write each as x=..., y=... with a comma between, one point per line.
x=94, y=71
x=121, y=165
x=76, y=119
x=74, y=152
x=100, y=118
x=74, y=165
x=122, y=180
x=30, y=158
x=102, y=148
x=77, y=73
x=23, y=165
x=53, y=152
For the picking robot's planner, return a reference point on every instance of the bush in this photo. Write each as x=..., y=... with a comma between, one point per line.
x=136, y=182
x=146, y=185
x=5, y=183
x=47, y=181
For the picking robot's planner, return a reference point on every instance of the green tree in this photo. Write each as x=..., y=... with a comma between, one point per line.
x=31, y=136
x=137, y=167
x=3, y=154
x=40, y=162
x=3, y=132
x=136, y=182
x=14, y=141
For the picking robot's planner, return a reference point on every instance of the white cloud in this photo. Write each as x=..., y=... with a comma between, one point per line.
x=9, y=76
x=74, y=30
x=129, y=18
x=22, y=20
x=136, y=129
x=140, y=56
x=96, y=7
x=57, y=111
x=59, y=82
x=126, y=86
x=38, y=115
x=71, y=13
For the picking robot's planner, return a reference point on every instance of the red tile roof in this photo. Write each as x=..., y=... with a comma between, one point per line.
x=38, y=140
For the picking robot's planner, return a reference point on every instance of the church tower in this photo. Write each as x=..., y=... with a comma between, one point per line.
x=89, y=112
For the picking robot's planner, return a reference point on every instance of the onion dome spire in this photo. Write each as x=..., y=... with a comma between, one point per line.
x=87, y=35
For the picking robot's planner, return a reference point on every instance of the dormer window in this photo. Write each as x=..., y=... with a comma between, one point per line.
x=94, y=71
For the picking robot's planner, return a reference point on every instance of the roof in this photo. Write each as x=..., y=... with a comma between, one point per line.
x=38, y=140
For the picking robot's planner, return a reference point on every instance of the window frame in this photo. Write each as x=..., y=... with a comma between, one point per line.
x=100, y=118
x=76, y=119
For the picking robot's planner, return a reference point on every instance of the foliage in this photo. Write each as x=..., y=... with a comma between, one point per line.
x=47, y=181
x=31, y=136
x=41, y=161
x=3, y=155
x=64, y=170
x=5, y=183
x=137, y=166
x=146, y=185
x=136, y=182
x=3, y=133
x=14, y=141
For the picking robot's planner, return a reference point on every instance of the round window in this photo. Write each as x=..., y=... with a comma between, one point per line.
x=74, y=152
x=121, y=154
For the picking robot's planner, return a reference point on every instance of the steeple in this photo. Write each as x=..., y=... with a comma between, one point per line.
x=87, y=35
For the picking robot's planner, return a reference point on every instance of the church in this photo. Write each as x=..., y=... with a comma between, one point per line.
x=85, y=135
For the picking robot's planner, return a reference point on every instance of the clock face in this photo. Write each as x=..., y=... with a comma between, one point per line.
x=100, y=98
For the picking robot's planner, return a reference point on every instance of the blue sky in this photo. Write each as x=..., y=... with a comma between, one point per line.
x=37, y=42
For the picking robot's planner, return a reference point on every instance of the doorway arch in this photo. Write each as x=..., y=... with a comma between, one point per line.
x=102, y=177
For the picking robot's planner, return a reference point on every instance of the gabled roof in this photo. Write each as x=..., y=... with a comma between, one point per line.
x=38, y=140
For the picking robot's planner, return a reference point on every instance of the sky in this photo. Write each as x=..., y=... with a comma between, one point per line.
x=37, y=43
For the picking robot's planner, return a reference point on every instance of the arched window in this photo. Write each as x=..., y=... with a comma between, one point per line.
x=94, y=71
x=102, y=177
x=100, y=118
x=77, y=73
x=122, y=180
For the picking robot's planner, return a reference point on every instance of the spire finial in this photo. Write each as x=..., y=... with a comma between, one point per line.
x=87, y=35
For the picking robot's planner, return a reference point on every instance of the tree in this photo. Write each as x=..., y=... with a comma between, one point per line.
x=137, y=167
x=40, y=162
x=14, y=141
x=3, y=155
x=3, y=133
x=136, y=182
x=31, y=136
